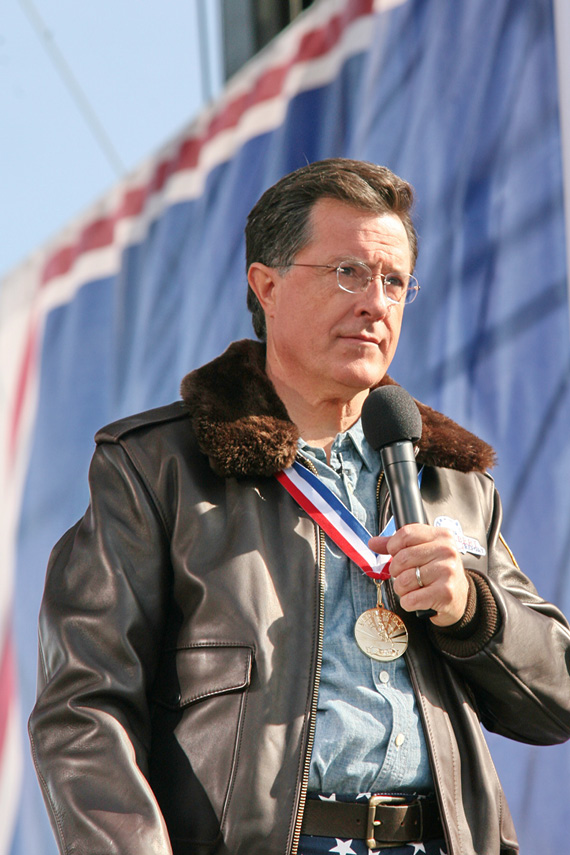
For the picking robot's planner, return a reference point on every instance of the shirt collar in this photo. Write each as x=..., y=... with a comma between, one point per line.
x=355, y=435
x=366, y=452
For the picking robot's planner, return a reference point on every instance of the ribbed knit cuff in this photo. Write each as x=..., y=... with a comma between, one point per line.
x=479, y=623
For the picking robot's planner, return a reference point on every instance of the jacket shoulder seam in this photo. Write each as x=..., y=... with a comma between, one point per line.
x=116, y=431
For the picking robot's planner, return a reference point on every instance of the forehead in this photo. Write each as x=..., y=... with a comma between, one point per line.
x=345, y=230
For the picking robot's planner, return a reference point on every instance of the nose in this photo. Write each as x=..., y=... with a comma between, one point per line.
x=372, y=301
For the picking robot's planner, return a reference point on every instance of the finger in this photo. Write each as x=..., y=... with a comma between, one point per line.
x=379, y=544
x=445, y=592
x=439, y=550
x=410, y=535
x=418, y=601
x=407, y=580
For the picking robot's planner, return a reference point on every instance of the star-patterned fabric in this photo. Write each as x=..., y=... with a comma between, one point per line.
x=320, y=845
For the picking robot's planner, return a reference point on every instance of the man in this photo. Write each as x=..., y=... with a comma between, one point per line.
x=202, y=688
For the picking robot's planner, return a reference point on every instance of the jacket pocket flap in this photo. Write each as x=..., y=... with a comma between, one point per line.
x=203, y=671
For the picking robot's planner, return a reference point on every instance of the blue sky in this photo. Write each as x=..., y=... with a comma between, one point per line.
x=138, y=63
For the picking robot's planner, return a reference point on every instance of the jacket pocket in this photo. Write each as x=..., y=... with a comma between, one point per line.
x=200, y=700
x=190, y=674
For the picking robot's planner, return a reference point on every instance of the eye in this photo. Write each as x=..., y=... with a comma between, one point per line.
x=395, y=285
x=352, y=276
x=348, y=272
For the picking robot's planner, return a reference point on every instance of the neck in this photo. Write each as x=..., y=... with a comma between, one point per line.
x=318, y=418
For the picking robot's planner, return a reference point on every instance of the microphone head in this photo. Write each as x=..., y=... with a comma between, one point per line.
x=390, y=415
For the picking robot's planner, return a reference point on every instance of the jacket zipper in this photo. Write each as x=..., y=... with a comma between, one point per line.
x=320, y=550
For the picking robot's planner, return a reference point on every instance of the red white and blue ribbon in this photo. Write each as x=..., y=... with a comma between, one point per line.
x=335, y=519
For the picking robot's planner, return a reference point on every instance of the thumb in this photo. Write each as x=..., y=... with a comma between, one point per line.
x=379, y=544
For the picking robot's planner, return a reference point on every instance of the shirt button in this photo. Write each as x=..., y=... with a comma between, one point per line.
x=400, y=739
x=384, y=677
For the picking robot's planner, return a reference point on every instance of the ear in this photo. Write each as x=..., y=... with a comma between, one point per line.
x=262, y=281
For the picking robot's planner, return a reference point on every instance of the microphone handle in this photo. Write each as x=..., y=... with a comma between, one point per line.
x=401, y=473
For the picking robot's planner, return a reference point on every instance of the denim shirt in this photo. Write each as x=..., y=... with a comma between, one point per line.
x=369, y=737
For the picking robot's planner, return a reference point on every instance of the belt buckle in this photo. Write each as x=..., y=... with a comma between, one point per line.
x=372, y=822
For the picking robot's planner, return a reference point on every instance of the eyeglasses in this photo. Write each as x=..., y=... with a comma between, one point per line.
x=355, y=276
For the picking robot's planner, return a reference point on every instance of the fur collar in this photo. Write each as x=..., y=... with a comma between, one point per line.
x=243, y=427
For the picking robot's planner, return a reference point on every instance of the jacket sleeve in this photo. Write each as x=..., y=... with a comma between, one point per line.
x=99, y=639
x=519, y=671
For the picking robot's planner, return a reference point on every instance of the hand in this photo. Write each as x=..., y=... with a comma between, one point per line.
x=434, y=552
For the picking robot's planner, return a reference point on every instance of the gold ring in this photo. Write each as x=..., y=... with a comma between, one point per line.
x=419, y=577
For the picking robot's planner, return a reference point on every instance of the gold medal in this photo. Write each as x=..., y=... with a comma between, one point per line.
x=380, y=633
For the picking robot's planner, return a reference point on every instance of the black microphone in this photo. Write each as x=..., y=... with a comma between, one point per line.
x=391, y=423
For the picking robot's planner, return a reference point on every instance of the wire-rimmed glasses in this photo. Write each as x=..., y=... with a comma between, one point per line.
x=355, y=276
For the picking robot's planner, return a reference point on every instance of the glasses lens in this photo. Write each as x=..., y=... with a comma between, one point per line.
x=398, y=288
x=352, y=276
x=412, y=291
x=395, y=286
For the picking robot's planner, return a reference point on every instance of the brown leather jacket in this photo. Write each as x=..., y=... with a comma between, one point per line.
x=180, y=637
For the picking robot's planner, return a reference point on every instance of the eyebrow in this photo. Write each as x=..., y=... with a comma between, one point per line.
x=338, y=259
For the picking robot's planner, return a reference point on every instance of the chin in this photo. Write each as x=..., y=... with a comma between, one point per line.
x=363, y=377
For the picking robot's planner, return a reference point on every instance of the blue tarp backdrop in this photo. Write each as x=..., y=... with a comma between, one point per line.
x=459, y=98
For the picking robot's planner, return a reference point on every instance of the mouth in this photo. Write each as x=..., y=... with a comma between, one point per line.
x=362, y=338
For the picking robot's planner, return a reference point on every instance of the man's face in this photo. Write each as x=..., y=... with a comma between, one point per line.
x=324, y=340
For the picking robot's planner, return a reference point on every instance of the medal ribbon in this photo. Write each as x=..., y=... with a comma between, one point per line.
x=335, y=519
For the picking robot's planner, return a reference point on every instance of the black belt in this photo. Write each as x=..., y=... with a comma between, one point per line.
x=383, y=821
